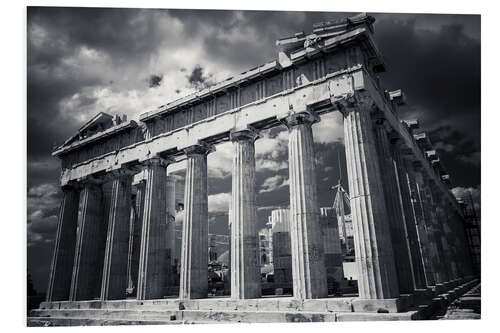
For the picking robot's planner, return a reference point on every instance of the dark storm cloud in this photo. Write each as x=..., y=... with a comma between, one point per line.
x=264, y=27
x=198, y=79
x=436, y=60
x=123, y=33
x=155, y=80
x=54, y=35
x=47, y=86
x=459, y=154
x=45, y=125
x=438, y=68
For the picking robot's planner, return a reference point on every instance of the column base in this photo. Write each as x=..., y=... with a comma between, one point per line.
x=422, y=296
x=439, y=288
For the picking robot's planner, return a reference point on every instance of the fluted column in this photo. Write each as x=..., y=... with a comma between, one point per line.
x=245, y=268
x=114, y=276
x=308, y=263
x=448, y=257
x=442, y=242
x=377, y=277
x=422, y=234
x=194, y=248
x=153, y=254
x=86, y=277
x=64, y=248
x=410, y=228
x=396, y=215
x=458, y=255
x=429, y=219
x=465, y=258
x=440, y=272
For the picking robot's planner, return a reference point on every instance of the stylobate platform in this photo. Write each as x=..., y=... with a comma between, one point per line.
x=420, y=305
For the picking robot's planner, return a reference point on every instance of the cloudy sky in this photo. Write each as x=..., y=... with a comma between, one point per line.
x=84, y=61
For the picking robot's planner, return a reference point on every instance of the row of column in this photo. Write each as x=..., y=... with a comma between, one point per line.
x=97, y=209
x=90, y=255
x=407, y=237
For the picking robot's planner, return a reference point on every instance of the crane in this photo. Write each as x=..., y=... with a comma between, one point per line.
x=341, y=198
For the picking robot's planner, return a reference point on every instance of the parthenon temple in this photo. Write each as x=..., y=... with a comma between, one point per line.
x=116, y=222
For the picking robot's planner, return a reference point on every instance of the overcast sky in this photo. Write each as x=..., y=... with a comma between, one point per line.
x=84, y=61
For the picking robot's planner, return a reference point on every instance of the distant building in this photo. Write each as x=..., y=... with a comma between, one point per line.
x=279, y=222
x=217, y=245
x=275, y=246
x=266, y=245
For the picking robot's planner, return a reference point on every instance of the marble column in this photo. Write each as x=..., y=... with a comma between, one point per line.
x=64, y=247
x=409, y=221
x=377, y=277
x=458, y=254
x=114, y=276
x=153, y=254
x=86, y=277
x=442, y=242
x=428, y=219
x=308, y=263
x=245, y=267
x=465, y=254
x=447, y=234
x=194, y=248
x=440, y=271
x=422, y=235
x=396, y=215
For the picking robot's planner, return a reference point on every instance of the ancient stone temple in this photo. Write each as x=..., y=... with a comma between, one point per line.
x=409, y=239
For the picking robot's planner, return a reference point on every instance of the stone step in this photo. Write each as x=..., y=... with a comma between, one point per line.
x=174, y=311
x=220, y=304
x=55, y=321
x=124, y=317
x=187, y=315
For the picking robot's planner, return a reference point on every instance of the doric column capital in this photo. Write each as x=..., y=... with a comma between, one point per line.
x=246, y=134
x=123, y=172
x=70, y=186
x=159, y=161
x=139, y=183
x=90, y=180
x=201, y=148
x=299, y=118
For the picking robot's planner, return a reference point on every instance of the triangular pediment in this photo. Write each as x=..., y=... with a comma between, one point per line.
x=100, y=123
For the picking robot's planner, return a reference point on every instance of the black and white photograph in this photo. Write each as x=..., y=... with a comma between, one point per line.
x=226, y=166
